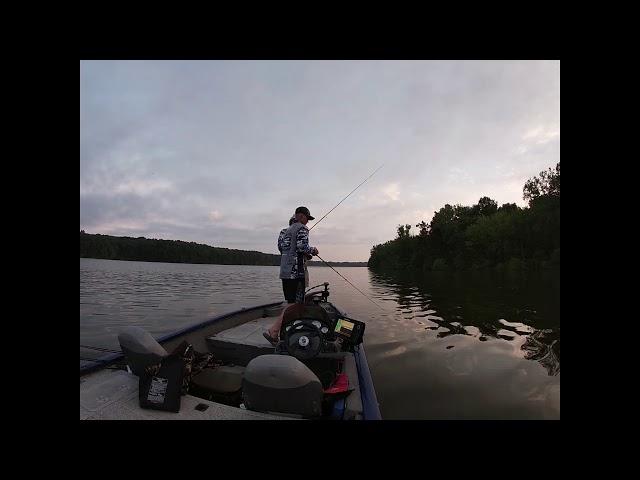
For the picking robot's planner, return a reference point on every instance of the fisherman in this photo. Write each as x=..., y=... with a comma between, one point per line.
x=295, y=249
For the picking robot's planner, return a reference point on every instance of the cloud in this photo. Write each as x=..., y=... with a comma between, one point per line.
x=222, y=152
x=215, y=215
x=143, y=187
x=541, y=134
x=457, y=175
x=392, y=191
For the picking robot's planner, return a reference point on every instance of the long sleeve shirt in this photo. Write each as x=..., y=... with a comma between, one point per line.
x=281, y=238
x=292, y=264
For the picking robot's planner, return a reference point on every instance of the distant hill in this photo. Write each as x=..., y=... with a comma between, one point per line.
x=176, y=251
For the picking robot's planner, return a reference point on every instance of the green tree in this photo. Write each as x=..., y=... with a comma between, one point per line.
x=153, y=250
x=403, y=230
x=424, y=228
x=485, y=206
x=547, y=184
x=482, y=235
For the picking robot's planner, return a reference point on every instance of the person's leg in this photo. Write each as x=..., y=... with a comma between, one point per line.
x=289, y=290
x=294, y=294
x=291, y=309
x=300, y=285
x=286, y=290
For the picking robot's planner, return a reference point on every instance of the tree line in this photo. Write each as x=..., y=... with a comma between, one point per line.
x=177, y=251
x=483, y=235
x=170, y=251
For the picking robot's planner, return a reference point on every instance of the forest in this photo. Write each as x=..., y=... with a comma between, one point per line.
x=483, y=235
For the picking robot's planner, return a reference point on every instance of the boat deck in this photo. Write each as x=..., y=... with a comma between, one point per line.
x=249, y=333
x=113, y=395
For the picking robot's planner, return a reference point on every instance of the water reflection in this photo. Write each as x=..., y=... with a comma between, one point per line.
x=443, y=346
x=482, y=306
x=544, y=346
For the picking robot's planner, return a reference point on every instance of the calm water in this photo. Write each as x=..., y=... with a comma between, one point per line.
x=443, y=346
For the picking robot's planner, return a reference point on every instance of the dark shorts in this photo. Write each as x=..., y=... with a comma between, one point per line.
x=293, y=290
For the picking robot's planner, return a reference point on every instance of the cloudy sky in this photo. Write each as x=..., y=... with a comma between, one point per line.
x=222, y=152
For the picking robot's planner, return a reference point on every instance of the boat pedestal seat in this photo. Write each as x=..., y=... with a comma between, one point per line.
x=283, y=385
x=140, y=349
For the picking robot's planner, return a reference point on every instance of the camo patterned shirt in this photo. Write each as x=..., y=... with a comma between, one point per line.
x=281, y=238
x=298, y=267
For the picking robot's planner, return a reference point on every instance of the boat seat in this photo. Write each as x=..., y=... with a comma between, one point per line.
x=281, y=384
x=140, y=348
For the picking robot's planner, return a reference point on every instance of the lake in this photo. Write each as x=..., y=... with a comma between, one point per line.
x=465, y=345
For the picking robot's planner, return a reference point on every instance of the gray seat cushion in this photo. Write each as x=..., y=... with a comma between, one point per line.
x=281, y=384
x=140, y=348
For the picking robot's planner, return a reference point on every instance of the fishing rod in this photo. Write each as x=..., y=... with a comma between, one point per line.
x=346, y=197
x=348, y=281
x=345, y=279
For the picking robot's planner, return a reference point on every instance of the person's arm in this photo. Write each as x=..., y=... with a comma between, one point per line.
x=281, y=238
x=302, y=242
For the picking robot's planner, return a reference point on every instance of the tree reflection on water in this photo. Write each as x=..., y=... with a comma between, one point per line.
x=499, y=305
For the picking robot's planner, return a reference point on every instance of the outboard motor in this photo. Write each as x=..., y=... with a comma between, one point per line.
x=281, y=384
x=140, y=349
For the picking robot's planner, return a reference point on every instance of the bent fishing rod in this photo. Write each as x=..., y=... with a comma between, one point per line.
x=349, y=282
x=343, y=277
x=346, y=197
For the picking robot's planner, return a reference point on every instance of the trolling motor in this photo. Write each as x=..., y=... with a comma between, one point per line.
x=312, y=296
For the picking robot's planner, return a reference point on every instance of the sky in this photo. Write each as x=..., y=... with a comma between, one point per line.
x=222, y=152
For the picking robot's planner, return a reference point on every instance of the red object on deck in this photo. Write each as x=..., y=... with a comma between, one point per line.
x=341, y=384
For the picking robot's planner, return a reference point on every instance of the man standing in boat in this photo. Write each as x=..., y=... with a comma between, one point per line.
x=295, y=249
